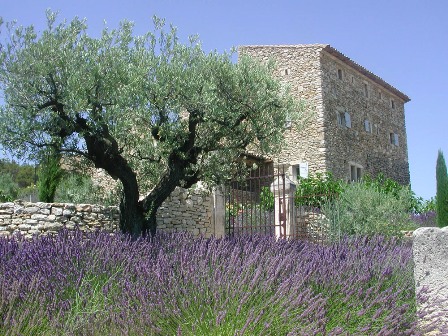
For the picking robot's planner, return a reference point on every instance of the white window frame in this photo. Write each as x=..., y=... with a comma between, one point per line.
x=299, y=170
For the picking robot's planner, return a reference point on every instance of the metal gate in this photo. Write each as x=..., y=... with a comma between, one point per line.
x=251, y=205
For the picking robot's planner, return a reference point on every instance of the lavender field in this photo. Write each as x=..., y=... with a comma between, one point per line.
x=98, y=284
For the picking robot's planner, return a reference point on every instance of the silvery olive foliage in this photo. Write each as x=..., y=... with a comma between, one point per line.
x=154, y=112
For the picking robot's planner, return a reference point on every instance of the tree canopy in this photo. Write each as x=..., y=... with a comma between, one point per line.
x=153, y=112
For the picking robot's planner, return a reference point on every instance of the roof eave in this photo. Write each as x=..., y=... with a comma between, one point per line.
x=332, y=51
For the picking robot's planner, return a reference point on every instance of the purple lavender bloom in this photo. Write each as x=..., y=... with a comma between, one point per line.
x=76, y=283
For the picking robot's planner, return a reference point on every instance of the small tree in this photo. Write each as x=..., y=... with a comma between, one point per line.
x=8, y=188
x=50, y=175
x=442, y=191
x=152, y=112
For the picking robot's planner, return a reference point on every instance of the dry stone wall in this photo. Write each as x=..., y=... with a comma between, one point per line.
x=43, y=218
x=191, y=210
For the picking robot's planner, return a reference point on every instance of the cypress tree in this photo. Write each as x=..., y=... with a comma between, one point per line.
x=442, y=191
x=50, y=175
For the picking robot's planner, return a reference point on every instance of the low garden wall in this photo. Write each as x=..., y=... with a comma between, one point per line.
x=195, y=210
x=430, y=250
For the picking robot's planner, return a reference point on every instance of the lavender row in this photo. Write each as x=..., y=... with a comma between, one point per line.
x=97, y=283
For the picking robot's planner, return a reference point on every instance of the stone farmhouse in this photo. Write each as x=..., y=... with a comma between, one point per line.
x=357, y=122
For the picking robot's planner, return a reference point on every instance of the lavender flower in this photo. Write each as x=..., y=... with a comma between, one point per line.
x=172, y=284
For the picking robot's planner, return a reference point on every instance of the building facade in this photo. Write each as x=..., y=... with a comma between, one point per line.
x=356, y=124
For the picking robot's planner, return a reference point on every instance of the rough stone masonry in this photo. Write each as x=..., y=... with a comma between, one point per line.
x=430, y=249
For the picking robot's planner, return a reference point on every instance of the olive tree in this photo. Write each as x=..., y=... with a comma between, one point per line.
x=153, y=112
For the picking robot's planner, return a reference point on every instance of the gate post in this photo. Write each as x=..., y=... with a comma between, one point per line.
x=283, y=189
x=218, y=215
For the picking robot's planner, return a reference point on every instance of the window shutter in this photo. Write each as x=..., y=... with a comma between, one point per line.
x=304, y=170
x=395, y=139
x=348, y=121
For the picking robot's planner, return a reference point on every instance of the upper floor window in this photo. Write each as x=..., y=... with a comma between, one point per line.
x=285, y=72
x=392, y=103
x=368, y=126
x=339, y=73
x=344, y=119
x=393, y=137
x=366, y=90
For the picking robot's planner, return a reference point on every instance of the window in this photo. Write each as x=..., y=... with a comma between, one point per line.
x=393, y=137
x=355, y=172
x=380, y=95
x=368, y=126
x=285, y=72
x=344, y=119
x=340, y=74
x=366, y=90
x=392, y=103
x=300, y=171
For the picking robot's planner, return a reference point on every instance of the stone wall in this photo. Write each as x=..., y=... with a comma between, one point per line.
x=190, y=210
x=352, y=92
x=298, y=67
x=430, y=250
x=193, y=210
x=42, y=218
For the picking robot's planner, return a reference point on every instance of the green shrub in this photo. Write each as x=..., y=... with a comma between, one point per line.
x=8, y=188
x=267, y=199
x=364, y=210
x=78, y=188
x=317, y=189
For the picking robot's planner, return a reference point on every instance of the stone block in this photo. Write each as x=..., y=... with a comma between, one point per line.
x=430, y=251
x=31, y=210
x=84, y=208
x=67, y=212
x=70, y=206
x=39, y=217
x=24, y=227
x=53, y=226
x=45, y=211
x=56, y=211
x=7, y=211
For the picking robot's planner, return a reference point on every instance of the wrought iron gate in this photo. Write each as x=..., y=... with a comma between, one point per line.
x=251, y=205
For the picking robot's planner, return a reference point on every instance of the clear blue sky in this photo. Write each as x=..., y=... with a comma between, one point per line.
x=404, y=42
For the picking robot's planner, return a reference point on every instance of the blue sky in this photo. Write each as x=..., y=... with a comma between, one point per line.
x=404, y=42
